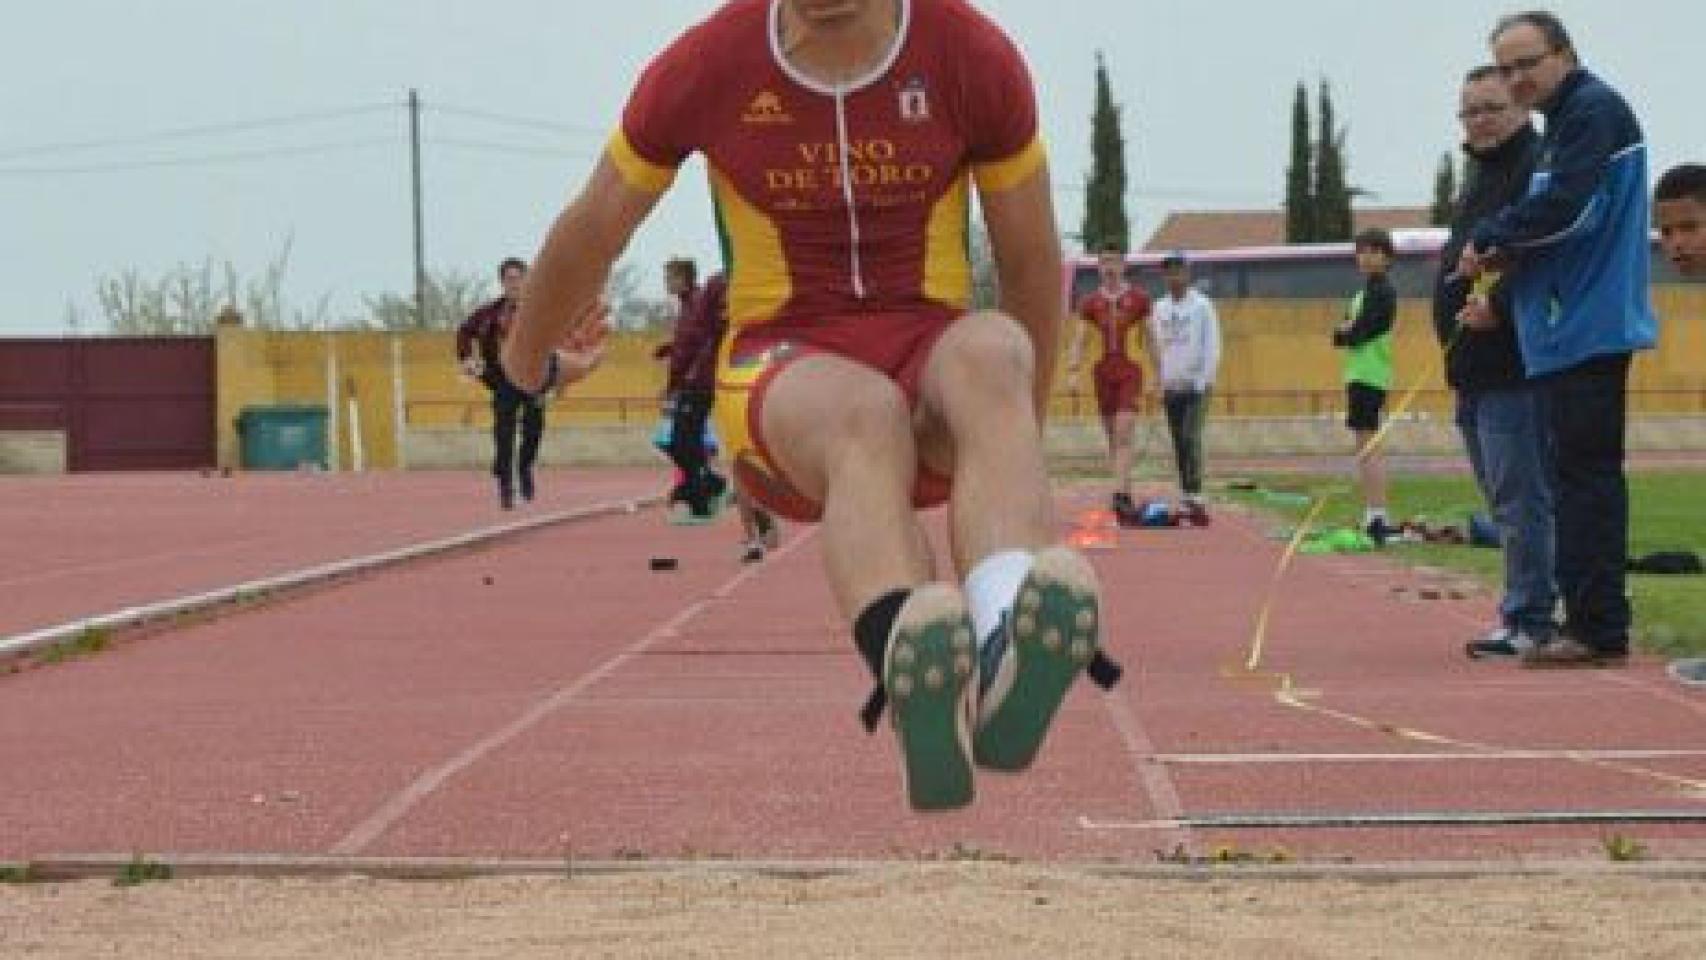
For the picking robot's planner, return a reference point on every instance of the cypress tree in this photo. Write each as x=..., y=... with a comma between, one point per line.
x=1444, y=207
x=1332, y=193
x=1105, y=222
x=1299, y=199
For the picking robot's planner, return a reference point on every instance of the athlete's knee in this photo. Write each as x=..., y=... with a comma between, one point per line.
x=873, y=414
x=988, y=350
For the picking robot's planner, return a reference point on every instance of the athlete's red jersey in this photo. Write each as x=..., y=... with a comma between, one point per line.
x=836, y=203
x=1114, y=314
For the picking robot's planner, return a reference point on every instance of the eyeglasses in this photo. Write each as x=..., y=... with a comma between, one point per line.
x=1523, y=64
x=1482, y=110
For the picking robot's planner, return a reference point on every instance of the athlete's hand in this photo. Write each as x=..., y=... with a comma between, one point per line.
x=471, y=366
x=579, y=364
x=589, y=329
x=584, y=346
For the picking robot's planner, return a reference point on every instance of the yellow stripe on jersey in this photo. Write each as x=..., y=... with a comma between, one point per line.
x=759, y=284
x=947, y=265
x=1006, y=174
x=641, y=174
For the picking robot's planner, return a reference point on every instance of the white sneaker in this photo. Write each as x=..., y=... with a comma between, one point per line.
x=1501, y=642
x=1689, y=671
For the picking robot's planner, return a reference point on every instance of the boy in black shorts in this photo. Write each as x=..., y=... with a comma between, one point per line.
x=1366, y=338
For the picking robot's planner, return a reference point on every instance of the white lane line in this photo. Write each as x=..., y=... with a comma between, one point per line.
x=1265, y=820
x=1239, y=759
x=1152, y=776
x=26, y=643
x=399, y=806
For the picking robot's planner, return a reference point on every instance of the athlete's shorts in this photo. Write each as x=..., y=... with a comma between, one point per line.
x=1363, y=406
x=1119, y=382
x=897, y=345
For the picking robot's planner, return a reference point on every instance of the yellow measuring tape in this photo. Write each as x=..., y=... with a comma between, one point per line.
x=1286, y=690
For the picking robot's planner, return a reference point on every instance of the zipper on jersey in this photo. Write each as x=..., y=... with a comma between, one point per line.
x=855, y=267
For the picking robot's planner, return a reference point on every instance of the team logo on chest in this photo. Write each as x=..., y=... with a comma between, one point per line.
x=914, y=101
x=766, y=108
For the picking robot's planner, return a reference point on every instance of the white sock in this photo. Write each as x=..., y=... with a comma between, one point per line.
x=1372, y=514
x=991, y=588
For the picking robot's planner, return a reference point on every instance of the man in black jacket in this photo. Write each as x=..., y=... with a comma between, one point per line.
x=478, y=342
x=1500, y=413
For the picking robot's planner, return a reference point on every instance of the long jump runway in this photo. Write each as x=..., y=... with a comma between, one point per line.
x=547, y=696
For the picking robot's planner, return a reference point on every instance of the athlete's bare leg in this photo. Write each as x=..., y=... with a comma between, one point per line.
x=977, y=424
x=1033, y=605
x=1371, y=470
x=1110, y=436
x=748, y=516
x=842, y=434
x=1120, y=449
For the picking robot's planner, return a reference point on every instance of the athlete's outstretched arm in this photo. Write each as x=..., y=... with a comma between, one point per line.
x=1026, y=245
x=568, y=276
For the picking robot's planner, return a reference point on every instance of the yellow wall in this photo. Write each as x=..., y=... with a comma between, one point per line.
x=1277, y=357
x=258, y=368
x=1277, y=360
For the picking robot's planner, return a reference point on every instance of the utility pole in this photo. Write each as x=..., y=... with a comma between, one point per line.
x=420, y=235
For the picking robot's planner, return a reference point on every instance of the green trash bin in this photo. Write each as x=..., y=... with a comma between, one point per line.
x=282, y=437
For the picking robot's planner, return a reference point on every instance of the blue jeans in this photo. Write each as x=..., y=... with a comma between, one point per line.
x=1509, y=443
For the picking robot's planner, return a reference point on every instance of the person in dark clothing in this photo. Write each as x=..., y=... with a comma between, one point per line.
x=692, y=385
x=1499, y=412
x=1577, y=251
x=479, y=341
x=1679, y=206
x=1366, y=338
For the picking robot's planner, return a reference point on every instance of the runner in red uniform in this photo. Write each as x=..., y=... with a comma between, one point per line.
x=1114, y=310
x=843, y=138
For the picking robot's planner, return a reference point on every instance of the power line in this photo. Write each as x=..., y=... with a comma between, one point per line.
x=1177, y=193
x=212, y=159
x=552, y=153
x=510, y=120
x=202, y=130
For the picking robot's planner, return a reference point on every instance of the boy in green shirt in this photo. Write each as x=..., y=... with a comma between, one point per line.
x=1366, y=338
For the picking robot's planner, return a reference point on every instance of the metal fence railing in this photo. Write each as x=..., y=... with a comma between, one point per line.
x=578, y=408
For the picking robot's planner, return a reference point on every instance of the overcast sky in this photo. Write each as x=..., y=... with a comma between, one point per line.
x=521, y=93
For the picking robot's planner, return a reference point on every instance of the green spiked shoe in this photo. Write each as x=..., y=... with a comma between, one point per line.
x=1051, y=636
x=929, y=675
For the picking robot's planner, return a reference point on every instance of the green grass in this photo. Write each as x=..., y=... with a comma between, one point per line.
x=140, y=870
x=86, y=644
x=1667, y=512
x=17, y=873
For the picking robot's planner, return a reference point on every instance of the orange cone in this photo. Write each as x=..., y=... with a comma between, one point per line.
x=1082, y=539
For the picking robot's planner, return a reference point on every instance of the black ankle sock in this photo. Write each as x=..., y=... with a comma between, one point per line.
x=871, y=628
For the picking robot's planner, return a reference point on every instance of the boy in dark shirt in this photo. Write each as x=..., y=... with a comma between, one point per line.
x=1366, y=338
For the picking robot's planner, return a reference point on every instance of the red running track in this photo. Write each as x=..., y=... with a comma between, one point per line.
x=548, y=696
x=86, y=544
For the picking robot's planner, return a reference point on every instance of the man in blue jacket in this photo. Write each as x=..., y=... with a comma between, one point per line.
x=1578, y=252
